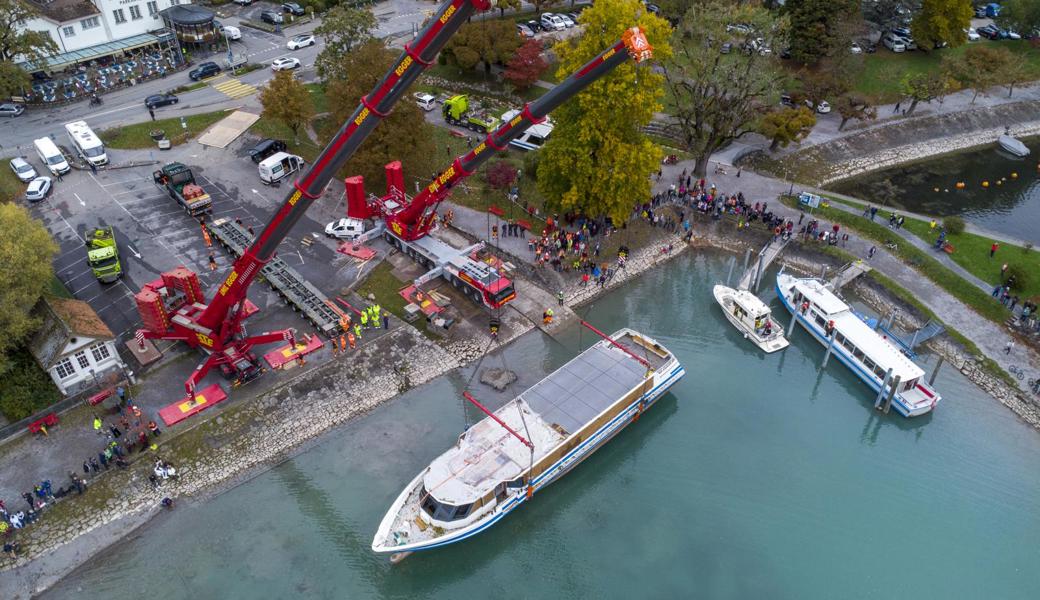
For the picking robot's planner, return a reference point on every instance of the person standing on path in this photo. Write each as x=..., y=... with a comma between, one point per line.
x=870, y=253
x=386, y=320
x=993, y=249
x=559, y=297
x=93, y=168
x=151, y=113
x=97, y=425
x=1003, y=271
x=1009, y=346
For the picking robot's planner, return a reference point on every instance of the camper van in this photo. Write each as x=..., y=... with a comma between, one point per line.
x=51, y=156
x=535, y=135
x=278, y=166
x=85, y=143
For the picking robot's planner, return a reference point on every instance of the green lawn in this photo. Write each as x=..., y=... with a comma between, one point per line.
x=136, y=136
x=381, y=283
x=884, y=70
x=269, y=128
x=971, y=251
x=970, y=295
x=321, y=103
x=10, y=186
x=56, y=288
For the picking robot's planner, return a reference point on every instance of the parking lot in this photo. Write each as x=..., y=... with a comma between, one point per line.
x=155, y=234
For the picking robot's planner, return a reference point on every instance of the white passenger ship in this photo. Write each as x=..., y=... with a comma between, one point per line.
x=868, y=354
x=499, y=463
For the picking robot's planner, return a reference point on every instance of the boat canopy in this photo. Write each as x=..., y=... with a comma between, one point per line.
x=816, y=293
x=751, y=304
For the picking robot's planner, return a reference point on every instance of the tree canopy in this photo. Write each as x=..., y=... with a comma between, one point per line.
x=923, y=87
x=26, y=274
x=487, y=42
x=526, y=66
x=941, y=22
x=980, y=67
x=403, y=135
x=15, y=39
x=719, y=98
x=287, y=101
x=1022, y=16
x=820, y=28
x=342, y=28
x=854, y=106
x=786, y=125
x=598, y=159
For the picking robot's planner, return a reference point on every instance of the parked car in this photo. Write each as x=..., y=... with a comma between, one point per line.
x=272, y=17
x=822, y=106
x=756, y=45
x=524, y=31
x=574, y=16
x=10, y=109
x=265, y=148
x=38, y=189
x=785, y=100
x=206, y=69
x=870, y=47
x=231, y=32
x=893, y=42
x=22, y=169
x=989, y=32
x=293, y=9
x=243, y=2
x=738, y=28
x=300, y=41
x=534, y=25
x=653, y=9
x=285, y=63
x=551, y=22
x=856, y=48
x=980, y=12
x=344, y=229
x=157, y=100
x=973, y=36
x=1010, y=34
x=567, y=21
x=726, y=48
x=425, y=101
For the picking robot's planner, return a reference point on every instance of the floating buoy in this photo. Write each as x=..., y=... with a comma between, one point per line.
x=1014, y=175
x=960, y=184
x=1003, y=178
x=1000, y=182
x=946, y=190
x=985, y=184
x=937, y=189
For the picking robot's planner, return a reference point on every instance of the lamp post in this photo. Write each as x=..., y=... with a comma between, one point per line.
x=230, y=56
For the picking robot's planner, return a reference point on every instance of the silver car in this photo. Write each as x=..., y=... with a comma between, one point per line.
x=39, y=189
x=22, y=169
x=11, y=110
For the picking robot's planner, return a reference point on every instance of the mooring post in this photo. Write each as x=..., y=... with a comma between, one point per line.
x=913, y=340
x=880, y=321
x=790, y=326
x=892, y=319
x=935, y=371
x=892, y=393
x=881, y=390
x=732, y=263
x=747, y=258
x=830, y=348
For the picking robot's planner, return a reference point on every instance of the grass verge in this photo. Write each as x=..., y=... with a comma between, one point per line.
x=269, y=128
x=381, y=283
x=10, y=186
x=135, y=137
x=970, y=295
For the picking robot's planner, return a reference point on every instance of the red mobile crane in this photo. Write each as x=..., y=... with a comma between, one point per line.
x=406, y=222
x=172, y=307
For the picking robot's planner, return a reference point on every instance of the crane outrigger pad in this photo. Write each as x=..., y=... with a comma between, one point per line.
x=184, y=408
x=288, y=353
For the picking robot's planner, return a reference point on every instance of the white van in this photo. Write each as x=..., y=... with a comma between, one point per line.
x=425, y=101
x=51, y=156
x=85, y=143
x=278, y=166
x=534, y=136
x=232, y=33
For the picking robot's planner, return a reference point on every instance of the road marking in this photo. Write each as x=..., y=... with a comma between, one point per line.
x=134, y=251
x=82, y=203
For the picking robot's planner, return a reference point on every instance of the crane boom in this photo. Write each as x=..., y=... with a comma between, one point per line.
x=416, y=220
x=370, y=111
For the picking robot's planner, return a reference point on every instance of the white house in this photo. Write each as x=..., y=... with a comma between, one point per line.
x=79, y=24
x=74, y=345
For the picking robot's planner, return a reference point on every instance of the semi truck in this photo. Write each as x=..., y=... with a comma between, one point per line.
x=460, y=110
x=179, y=182
x=103, y=254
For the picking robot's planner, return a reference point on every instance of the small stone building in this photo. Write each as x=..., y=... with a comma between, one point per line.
x=74, y=345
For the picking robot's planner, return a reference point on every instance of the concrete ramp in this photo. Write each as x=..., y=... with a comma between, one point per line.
x=223, y=132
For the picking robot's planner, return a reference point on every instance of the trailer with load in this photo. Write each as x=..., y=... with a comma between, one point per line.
x=179, y=182
x=103, y=254
x=460, y=110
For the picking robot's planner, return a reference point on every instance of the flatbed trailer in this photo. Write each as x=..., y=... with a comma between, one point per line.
x=299, y=293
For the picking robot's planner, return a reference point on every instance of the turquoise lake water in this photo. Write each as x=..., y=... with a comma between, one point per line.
x=756, y=477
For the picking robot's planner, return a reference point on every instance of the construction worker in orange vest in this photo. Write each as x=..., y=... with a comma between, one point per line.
x=352, y=339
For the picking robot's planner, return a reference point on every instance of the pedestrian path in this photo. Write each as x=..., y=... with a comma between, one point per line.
x=231, y=87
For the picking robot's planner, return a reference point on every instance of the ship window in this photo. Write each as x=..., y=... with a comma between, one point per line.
x=516, y=483
x=879, y=372
x=848, y=345
x=820, y=320
x=858, y=353
x=839, y=338
x=869, y=364
x=461, y=511
x=443, y=512
x=910, y=385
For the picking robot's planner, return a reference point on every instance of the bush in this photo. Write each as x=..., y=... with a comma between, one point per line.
x=25, y=388
x=953, y=225
x=1021, y=275
x=531, y=163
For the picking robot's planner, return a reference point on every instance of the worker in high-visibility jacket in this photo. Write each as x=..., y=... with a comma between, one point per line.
x=364, y=318
x=357, y=331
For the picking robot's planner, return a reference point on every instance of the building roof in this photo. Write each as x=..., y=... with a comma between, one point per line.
x=73, y=57
x=63, y=11
x=62, y=320
x=188, y=14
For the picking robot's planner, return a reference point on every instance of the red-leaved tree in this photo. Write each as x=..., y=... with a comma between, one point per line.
x=526, y=66
x=501, y=175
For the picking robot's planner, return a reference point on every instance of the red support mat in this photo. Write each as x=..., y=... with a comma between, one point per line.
x=286, y=354
x=184, y=408
x=357, y=251
x=248, y=308
x=495, y=210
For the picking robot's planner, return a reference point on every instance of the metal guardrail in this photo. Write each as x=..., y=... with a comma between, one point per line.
x=299, y=293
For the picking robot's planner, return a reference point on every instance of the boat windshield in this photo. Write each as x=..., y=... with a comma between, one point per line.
x=442, y=511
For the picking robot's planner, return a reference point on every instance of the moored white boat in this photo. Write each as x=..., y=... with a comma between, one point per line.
x=865, y=352
x=751, y=317
x=505, y=459
x=1014, y=146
